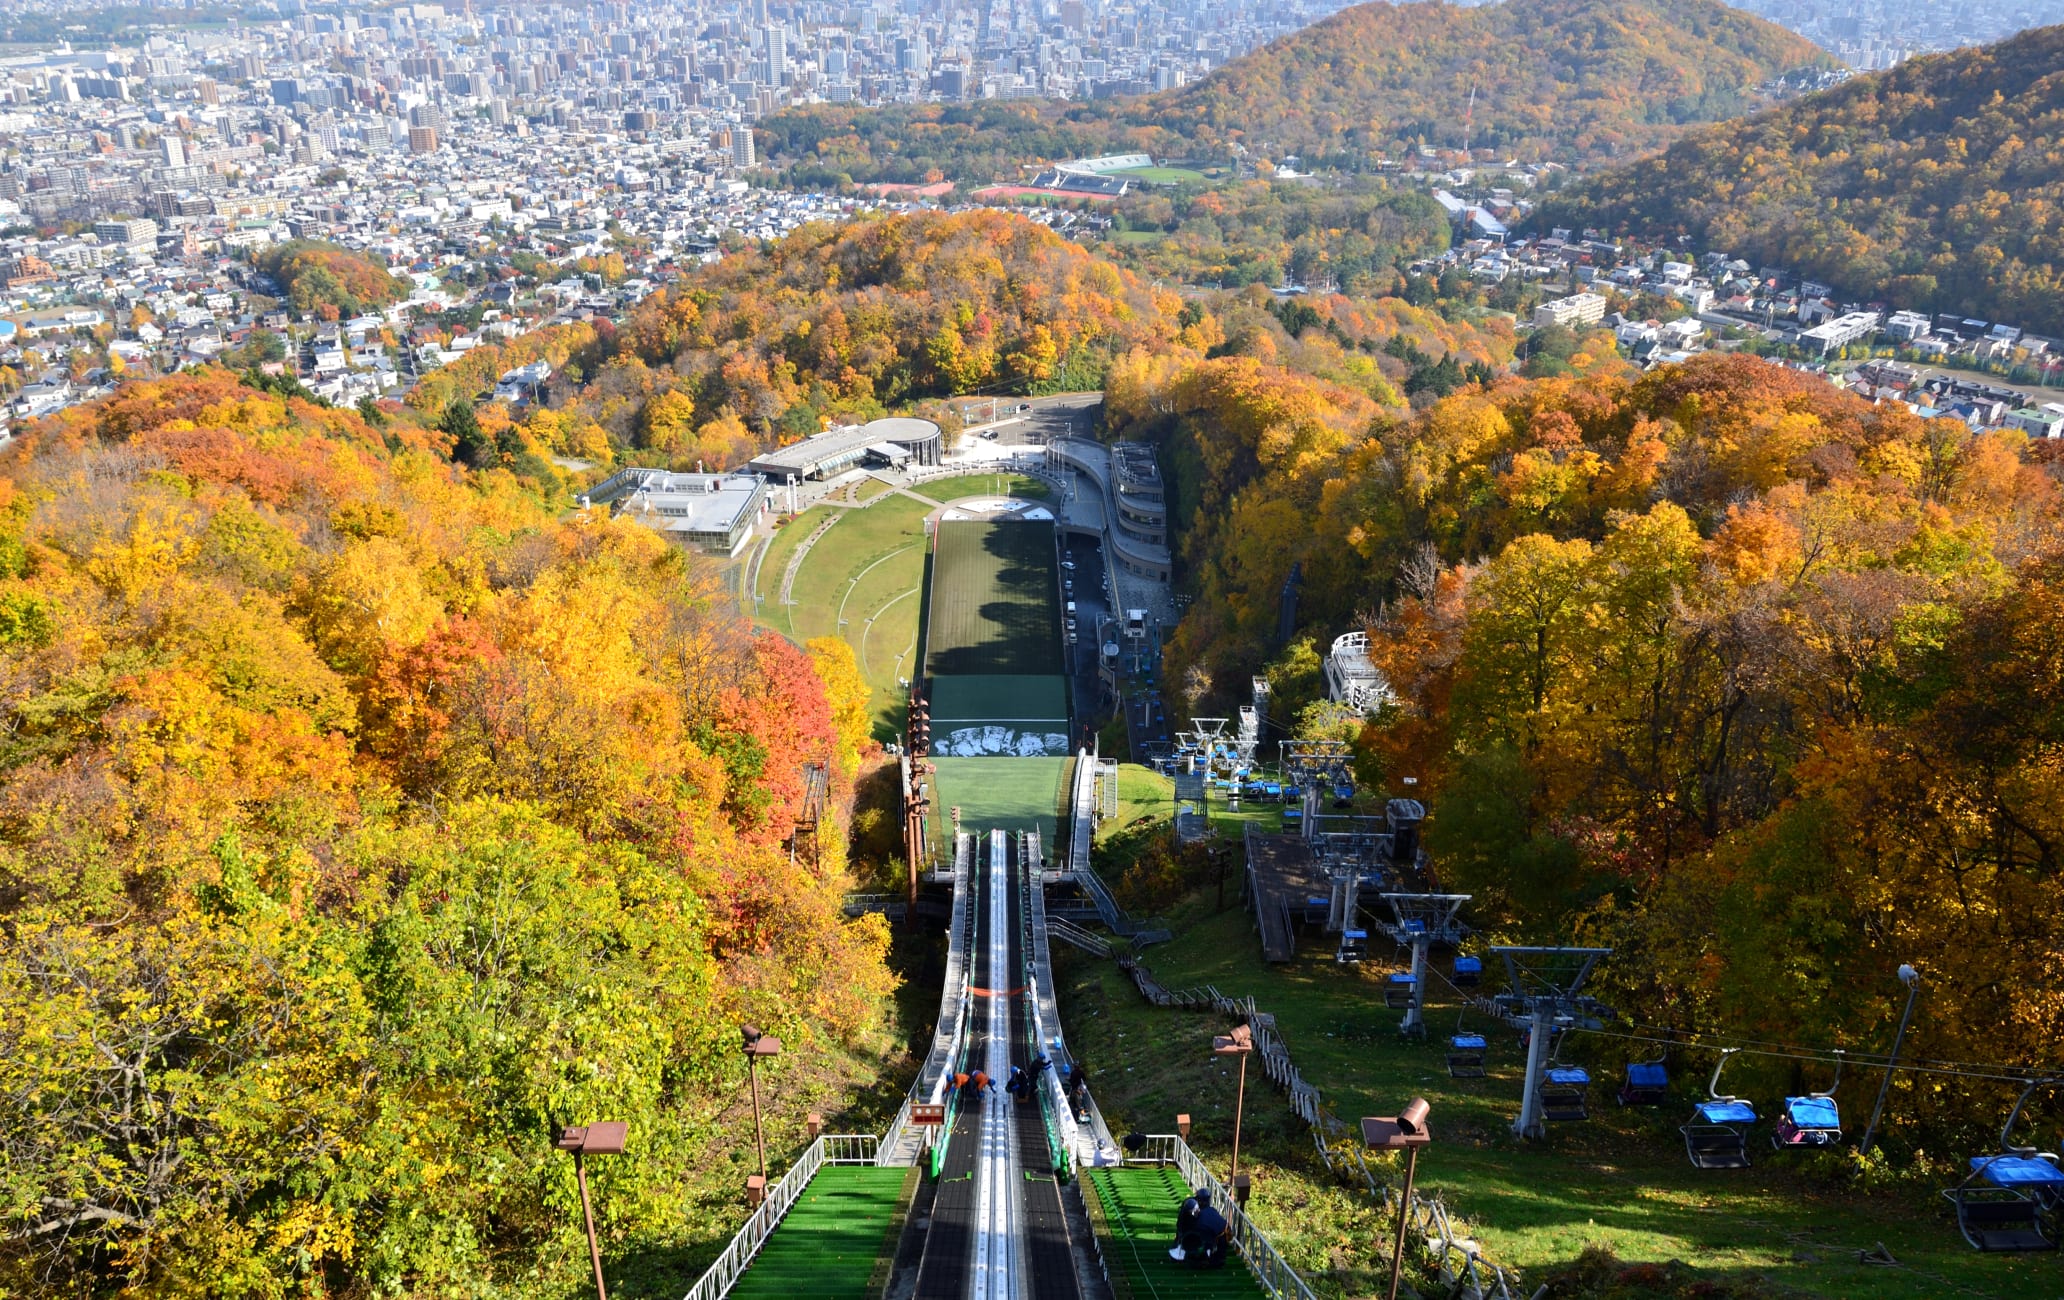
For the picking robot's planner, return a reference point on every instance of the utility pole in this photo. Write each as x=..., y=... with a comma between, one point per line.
x=1912, y=979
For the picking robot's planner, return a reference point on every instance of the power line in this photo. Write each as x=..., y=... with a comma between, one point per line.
x=1786, y=1051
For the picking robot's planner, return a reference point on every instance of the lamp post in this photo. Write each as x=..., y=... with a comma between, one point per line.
x=758, y=1045
x=1239, y=1043
x=603, y=1139
x=1407, y=1132
x=1912, y=979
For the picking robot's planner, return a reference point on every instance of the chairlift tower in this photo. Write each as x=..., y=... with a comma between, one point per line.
x=1418, y=922
x=1209, y=742
x=1541, y=996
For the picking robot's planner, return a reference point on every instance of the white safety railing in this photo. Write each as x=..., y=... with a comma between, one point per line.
x=830, y=1149
x=903, y=1144
x=1269, y=1268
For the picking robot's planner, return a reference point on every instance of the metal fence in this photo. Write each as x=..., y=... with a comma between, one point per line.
x=830, y=1149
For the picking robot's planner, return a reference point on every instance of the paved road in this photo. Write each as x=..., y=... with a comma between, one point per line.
x=1069, y=415
x=1085, y=586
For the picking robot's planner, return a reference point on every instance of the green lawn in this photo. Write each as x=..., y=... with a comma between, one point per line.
x=1162, y=175
x=1621, y=1181
x=1145, y=794
x=868, y=489
x=983, y=485
x=868, y=570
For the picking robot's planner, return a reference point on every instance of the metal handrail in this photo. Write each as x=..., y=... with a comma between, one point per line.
x=830, y=1149
x=1270, y=1269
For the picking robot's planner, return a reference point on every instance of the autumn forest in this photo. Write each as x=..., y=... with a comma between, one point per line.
x=370, y=806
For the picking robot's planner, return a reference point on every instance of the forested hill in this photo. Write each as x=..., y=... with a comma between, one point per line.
x=363, y=818
x=1936, y=185
x=1718, y=666
x=1569, y=79
x=1575, y=77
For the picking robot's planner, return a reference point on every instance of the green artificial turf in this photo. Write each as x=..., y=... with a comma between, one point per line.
x=830, y=1241
x=994, y=605
x=1138, y=1227
x=1011, y=793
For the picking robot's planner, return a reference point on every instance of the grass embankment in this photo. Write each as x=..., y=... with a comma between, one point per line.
x=1620, y=1181
x=983, y=485
x=1144, y=795
x=868, y=571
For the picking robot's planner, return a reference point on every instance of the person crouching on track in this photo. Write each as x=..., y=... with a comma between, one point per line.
x=978, y=1083
x=1200, y=1232
x=1020, y=1086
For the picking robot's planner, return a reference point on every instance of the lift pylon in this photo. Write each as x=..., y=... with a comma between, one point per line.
x=1541, y=996
x=1418, y=922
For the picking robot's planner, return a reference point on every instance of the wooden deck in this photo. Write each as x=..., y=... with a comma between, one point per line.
x=1281, y=875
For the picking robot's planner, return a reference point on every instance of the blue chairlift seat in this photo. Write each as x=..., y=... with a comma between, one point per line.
x=2019, y=1171
x=1292, y=792
x=1717, y=1134
x=1810, y=1121
x=1293, y=816
x=2010, y=1202
x=1466, y=1056
x=1645, y=1085
x=1564, y=1094
x=1468, y=972
x=1354, y=946
x=1397, y=991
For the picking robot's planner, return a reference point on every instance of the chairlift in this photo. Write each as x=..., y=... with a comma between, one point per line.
x=1564, y=1088
x=1466, y=1051
x=1812, y=1120
x=1468, y=972
x=1646, y=1082
x=1466, y=1056
x=1397, y=991
x=1354, y=945
x=2011, y=1201
x=1717, y=1135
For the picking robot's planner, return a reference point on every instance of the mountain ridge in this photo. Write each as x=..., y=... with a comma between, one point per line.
x=1937, y=185
x=1619, y=76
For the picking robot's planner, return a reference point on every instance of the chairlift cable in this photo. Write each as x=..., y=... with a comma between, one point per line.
x=1855, y=1060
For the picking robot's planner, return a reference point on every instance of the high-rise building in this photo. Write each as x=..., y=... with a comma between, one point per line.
x=130, y=232
x=777, y=55
x=422, y=139
x=174, y=150
x=742, y=154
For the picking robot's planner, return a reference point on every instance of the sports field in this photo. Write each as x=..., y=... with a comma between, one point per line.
x=994, y=605
x=1163, y=175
